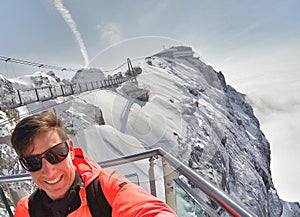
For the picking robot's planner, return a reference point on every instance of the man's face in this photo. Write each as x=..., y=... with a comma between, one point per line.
x=54, y=179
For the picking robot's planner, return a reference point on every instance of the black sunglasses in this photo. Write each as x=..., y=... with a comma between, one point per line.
x=54, y=155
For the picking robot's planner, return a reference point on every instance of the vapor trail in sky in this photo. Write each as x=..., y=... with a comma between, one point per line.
x=71, y=23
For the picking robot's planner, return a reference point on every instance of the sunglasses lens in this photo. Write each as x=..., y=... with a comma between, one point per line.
x=54, y=155
x=31, y=163
x=58, y=153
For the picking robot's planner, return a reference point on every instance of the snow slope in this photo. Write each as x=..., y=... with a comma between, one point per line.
x=190, y=112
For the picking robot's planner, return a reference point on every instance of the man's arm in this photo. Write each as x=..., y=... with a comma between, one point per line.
x=128, y=199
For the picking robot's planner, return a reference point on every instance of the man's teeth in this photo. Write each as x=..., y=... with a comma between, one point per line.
x=53, y=181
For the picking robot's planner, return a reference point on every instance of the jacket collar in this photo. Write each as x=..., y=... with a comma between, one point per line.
x=87, y=168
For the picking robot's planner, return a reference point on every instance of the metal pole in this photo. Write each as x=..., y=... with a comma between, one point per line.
x=152, y=176
x=4, y=199
x=169, y=176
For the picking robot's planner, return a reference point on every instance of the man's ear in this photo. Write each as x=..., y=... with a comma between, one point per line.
x=71, y=147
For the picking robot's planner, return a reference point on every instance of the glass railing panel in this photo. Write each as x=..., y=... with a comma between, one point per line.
x=133, y=177
x=186, y=205
x=139, y=171
x=12, y=192
x=221, y=203
x=191, y=201
x=6, y=208
x=3, y=211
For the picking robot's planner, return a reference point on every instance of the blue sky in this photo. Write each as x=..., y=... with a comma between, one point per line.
x=256, y=44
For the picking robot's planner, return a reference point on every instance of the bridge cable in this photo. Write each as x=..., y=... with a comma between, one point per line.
x=40, y=65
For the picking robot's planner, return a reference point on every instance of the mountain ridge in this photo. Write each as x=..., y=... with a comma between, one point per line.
x=217, y=133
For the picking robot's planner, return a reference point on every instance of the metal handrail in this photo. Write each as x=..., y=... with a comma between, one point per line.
x=229, y=204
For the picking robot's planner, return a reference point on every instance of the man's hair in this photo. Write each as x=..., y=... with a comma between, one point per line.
x=31, y=126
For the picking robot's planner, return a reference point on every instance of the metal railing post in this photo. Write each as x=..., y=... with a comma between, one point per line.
x=169, y=176
x=3, y=197
x=152, y=176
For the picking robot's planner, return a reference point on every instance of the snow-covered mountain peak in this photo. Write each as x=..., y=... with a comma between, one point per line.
x=88, y=74
x=183, y=105
x=35, y=80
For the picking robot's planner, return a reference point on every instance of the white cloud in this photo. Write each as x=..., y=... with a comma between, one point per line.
x=110, y=32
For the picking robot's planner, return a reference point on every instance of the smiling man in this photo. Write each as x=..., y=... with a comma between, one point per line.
x=63, y=174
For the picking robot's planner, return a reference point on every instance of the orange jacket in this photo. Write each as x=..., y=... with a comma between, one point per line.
x=130, y=200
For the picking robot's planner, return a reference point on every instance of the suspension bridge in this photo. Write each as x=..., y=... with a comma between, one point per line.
x=16, y=98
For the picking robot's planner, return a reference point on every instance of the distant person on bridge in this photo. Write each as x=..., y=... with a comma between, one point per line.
x=64, y=173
